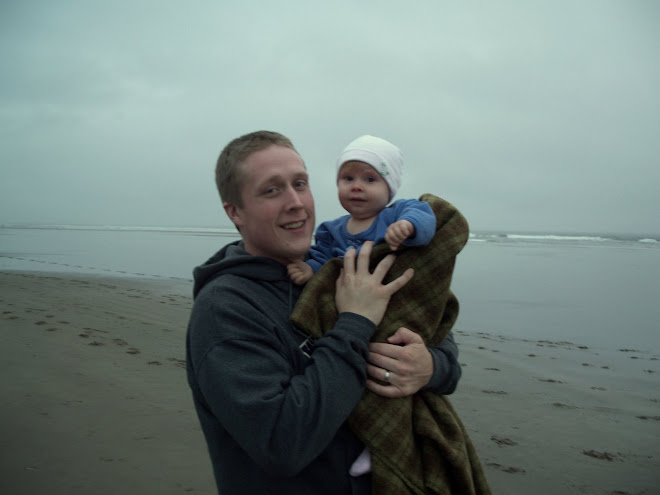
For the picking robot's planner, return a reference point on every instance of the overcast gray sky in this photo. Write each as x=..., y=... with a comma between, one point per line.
x=530, y=116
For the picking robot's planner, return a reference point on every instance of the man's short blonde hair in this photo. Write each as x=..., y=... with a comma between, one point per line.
x=228, y=171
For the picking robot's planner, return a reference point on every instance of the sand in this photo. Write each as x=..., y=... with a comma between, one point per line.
x=96, y=400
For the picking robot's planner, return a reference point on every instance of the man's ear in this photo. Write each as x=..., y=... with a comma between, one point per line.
x=233, y=212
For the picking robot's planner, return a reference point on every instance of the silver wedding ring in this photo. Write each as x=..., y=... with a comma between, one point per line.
x=387, y=376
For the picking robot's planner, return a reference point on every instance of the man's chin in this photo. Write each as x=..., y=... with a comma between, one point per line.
x=300, y=250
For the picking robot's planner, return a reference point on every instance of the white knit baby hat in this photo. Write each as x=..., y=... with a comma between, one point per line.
x=382, y=155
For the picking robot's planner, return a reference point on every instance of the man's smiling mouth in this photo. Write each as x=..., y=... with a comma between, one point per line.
x=294, y=225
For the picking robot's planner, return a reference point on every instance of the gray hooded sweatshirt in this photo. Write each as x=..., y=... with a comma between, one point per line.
x=272, y=403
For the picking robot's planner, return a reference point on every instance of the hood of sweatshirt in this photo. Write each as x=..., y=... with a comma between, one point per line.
x=233, y=259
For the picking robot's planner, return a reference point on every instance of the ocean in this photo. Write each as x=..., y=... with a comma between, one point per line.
x=588, y=289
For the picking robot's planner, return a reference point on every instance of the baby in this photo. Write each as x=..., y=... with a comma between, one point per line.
x=368, y=176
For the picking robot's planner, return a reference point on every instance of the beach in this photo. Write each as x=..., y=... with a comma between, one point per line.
x=96, y=399
x=94, y=387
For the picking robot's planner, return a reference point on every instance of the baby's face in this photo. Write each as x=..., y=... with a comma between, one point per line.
x=361, y=189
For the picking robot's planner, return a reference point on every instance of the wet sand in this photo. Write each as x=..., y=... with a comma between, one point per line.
x=96, y=400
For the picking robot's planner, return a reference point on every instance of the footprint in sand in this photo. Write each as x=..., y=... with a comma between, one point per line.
x=90, y=329
x=506, y=469
x=503, y=441
x=604, y=456
x=178, y=362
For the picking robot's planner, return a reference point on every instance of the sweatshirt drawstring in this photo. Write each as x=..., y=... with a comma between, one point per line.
x=290, y=296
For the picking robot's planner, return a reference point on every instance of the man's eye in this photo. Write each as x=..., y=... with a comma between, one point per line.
x=301, y=184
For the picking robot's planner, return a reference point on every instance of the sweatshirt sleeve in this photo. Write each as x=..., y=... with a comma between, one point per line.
x=420, y=214
x=446, y=368
x=282, y=417
x=321, y=251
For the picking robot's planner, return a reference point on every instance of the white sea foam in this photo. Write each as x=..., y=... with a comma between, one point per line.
x=565, y=238
x=555, y=237
x=475, y=237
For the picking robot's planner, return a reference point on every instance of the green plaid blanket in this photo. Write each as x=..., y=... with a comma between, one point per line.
x=418, y=444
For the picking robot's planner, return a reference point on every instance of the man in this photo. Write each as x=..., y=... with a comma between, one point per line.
x=271, y=403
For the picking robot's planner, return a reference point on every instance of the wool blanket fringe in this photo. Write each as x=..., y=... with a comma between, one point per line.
x=418, y=444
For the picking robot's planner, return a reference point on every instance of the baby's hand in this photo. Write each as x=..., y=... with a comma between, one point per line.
x=299, y=272
x=398, y=232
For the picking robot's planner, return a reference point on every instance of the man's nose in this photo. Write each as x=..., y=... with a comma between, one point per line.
x=293, y=199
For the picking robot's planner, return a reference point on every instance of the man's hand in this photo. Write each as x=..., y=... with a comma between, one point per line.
x=299, y=272
x=359, y=291
x=398, y=232
x=408, y=361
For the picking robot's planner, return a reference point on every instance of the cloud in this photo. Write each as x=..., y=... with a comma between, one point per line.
x=530, y=116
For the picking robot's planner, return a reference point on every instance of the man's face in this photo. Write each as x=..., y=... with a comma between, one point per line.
x=277, y=216
x=362, y=191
